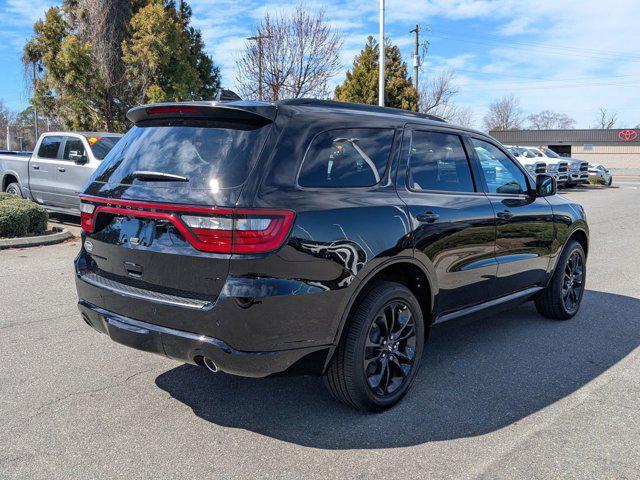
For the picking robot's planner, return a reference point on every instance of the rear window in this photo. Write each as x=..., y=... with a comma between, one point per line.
x=355, y=157
x=209, y=154
x=49, y=147
x=100, y=145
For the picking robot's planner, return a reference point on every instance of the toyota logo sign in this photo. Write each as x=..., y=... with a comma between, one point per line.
x=628, y=135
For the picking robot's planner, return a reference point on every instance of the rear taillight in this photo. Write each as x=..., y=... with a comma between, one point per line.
x=206, y=229
x=260, y=231
x=86, y=216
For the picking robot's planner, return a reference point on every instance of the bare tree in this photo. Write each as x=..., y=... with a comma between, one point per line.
x=436, y=95
x=298, y=54
x=548, y=120
x=606, y=120
x=504, y=114
x=464, y=116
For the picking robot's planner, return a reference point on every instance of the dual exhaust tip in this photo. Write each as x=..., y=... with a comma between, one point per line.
x=210, y=364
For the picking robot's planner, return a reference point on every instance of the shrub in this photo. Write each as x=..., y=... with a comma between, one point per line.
x=20, y=217
x=6, y=196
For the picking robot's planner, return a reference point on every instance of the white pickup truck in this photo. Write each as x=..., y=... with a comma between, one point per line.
x=55, y=173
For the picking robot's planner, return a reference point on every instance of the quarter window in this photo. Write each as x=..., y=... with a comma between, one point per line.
x=500, y=173
x=49, y=147
x=438, y=162
x=355, y=157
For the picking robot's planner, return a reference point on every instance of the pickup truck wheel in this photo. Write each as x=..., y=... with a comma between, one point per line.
x=14, y=189
x=379, y=353
x=610, y=181
x=562, y=297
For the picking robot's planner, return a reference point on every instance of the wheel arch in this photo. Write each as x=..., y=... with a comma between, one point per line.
x=407, y=271
x=8, y=178
x=580, y=236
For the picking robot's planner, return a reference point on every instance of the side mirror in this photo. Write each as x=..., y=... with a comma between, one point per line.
x=77, y=157
x=545, y=185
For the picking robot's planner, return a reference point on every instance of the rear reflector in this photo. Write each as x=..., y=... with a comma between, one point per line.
x=206, y=229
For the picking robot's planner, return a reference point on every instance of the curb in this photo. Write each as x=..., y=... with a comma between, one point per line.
x=60, y=236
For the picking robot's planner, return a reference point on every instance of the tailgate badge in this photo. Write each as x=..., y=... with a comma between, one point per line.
x=88, y=245
x=134, y=241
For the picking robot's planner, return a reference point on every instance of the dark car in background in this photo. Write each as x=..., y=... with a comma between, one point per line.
x=310, y=236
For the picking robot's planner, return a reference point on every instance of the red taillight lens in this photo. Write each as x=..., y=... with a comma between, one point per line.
x=206, y=229
x=261, y=231
x=249, y=231
x=86, y=216
x=216, y=232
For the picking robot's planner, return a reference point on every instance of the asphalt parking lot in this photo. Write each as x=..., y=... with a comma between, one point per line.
x=513, y=396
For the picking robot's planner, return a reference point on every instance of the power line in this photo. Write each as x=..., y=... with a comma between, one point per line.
x=547, y=49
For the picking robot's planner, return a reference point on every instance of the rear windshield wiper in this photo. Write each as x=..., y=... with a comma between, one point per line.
x=158, y=177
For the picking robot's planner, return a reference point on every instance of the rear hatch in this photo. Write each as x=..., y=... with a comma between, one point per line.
x=159, y=213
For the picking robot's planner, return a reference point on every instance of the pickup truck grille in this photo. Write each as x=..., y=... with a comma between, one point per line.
x=563, y=167
x=540, y=168
x=584, y=167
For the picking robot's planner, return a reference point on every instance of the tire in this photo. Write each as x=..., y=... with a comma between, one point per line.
x=347, y=378
x=557, y=301
x=610, y=181
x=14, y=189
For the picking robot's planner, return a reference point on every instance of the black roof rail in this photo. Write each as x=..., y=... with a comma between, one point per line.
x=358, y=106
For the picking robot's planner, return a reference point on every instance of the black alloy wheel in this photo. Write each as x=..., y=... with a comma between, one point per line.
x=379, y=352
x=562, y=297
x=390, y=351
x=572, y=283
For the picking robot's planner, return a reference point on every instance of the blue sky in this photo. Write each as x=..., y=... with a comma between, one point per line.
x=566, y=55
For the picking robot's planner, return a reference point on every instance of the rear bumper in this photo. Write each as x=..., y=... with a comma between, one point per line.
x=190, y=347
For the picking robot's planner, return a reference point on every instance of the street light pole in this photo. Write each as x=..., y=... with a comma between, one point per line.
x=381, y=59
x=35, y=110
x=259, y=39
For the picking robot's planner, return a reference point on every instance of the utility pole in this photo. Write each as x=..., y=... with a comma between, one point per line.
x=259, y=39
x=381, y=58
x=416, y=57
x=35, y=110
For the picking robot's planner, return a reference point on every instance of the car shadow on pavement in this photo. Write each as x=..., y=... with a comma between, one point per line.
x=475, y=377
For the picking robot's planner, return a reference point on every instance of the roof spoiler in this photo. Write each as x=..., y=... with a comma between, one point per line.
x=257, y=113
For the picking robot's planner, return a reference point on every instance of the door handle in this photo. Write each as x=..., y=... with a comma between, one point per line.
x=506, y=215
x=36, y=167
x=62, y=169
x=428, y=217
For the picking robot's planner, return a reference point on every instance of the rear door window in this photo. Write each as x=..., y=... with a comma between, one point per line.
x=209, y=154
x=49, y=147
x=355, y=157
x=438, y=162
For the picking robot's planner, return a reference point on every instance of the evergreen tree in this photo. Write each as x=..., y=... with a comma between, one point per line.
x=98, y=58
x=361, y=84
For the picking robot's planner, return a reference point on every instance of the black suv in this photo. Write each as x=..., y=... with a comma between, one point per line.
x=313, y=236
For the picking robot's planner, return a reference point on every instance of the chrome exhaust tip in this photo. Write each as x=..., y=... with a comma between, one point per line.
x=210, y=364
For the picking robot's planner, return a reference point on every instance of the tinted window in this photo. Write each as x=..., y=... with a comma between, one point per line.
x=500, y=173
x=210, y=154
x=354, y=157
x=100, y=146
x=49, y=147
x=73, y=145
x=438, y=162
